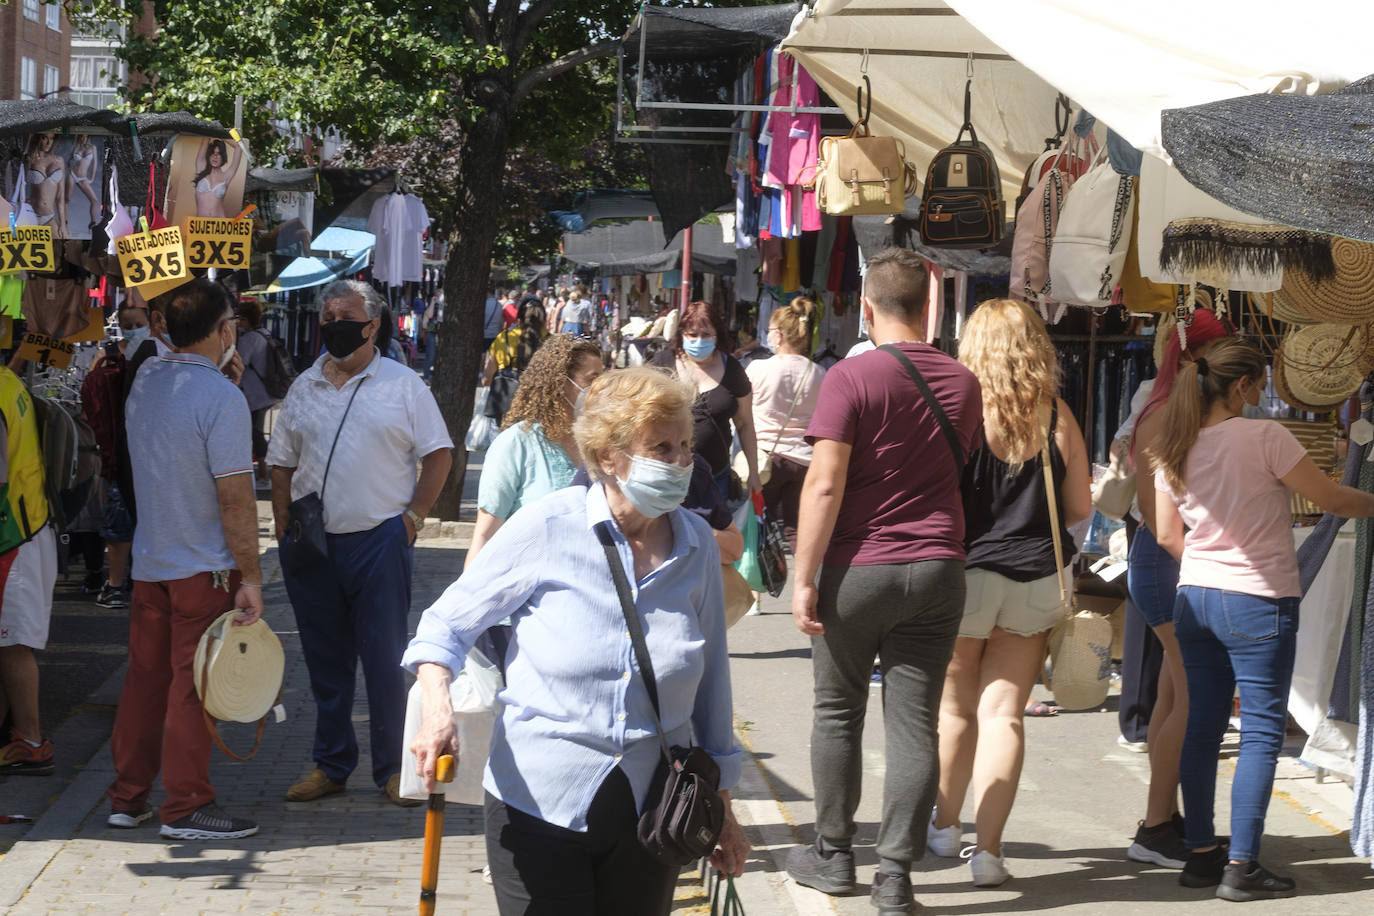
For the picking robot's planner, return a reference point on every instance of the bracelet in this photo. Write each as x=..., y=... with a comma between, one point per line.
x=257, y=585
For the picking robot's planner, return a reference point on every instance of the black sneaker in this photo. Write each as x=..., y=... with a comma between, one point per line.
x=830, y=873
x=209, y=822
x=1247, y=881
x=1158, y=845
x=892, y=895
x=127, y=820
x=1203, y=869
x=93, y=581
x=111, y=597
x=1180, y=825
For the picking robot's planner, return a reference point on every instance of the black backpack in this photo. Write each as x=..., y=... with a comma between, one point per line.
x=961, y=204
x=281, y=372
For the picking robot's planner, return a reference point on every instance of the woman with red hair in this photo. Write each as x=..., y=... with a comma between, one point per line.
x=700, y=354
x=1152, y=580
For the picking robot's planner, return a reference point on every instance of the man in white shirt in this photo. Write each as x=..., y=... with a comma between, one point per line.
x=367, y=422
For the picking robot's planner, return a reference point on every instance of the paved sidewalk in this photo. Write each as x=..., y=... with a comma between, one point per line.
x=354, y=853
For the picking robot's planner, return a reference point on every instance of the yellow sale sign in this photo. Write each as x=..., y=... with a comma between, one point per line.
x=27, y=248
x=216, y=242
x=152, y=257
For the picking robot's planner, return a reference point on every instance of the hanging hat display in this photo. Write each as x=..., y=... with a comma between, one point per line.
x=1347, y=297
x=1319, y=365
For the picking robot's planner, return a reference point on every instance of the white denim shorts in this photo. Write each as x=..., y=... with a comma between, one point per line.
x=1022, y=608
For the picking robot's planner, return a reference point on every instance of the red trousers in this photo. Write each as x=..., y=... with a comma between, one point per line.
x=159, y=724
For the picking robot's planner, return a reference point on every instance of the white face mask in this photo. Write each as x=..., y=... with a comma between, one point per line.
x=227, y=356
x=655, y=488
x=581, y=399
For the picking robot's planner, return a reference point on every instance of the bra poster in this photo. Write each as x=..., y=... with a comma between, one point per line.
x=207, y=177
x=57, y=184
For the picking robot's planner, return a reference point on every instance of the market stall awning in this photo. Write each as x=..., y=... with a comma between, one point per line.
x=638, y=248
x=1125, y=63
x=303, y=273
x=610, y=203
x=667, y=32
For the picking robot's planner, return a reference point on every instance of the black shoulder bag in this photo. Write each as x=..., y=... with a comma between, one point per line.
x=933, y=403
x=305, y=516
x=683, y=814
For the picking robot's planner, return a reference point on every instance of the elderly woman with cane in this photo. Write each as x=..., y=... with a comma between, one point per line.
x=577, y=746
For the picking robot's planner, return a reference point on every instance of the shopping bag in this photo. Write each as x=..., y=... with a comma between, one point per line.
x=748, y=563
x=483, y=429
x=475, y=708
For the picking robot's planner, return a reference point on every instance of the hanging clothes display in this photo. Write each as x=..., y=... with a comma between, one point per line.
x=399, y=222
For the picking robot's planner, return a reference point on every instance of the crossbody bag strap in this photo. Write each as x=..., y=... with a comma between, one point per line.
x=1054, y=518
x=627, y=607
x=933, y=403
x=337, y=433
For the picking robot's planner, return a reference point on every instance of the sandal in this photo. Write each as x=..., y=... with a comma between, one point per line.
x=1041, y=710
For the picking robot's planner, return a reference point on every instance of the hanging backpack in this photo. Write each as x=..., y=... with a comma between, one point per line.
x=860, y=173
x=961, y=203
x=1037, y=218
x=1089, y=250
x=281, y=372
x=70, y=458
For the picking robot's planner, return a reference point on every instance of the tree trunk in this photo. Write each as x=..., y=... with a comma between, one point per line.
x=467, y=274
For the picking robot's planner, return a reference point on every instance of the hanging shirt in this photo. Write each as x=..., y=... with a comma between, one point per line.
x=398, y=221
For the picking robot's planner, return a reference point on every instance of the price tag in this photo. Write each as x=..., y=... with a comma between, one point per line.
x=1362, y=432
x=27, y=248
x=50, y=351
x=154, y=257
x=216, y=242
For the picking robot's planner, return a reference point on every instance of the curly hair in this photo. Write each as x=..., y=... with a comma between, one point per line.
x=540, y=397
x=1005, y=345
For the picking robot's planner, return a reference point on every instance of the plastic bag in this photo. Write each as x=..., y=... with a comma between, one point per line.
x=475, y=708
x=483, y=429
x=749, y=564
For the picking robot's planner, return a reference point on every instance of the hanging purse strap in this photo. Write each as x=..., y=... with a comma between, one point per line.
x=790, y=410
x=632, y=623
x=932, y=402
x=1054, y=515
x=338, y=432
x=968, y=114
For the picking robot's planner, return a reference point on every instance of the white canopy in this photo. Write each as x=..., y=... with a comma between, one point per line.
x=1124, y=61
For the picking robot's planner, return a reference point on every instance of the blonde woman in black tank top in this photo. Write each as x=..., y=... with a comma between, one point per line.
x=1013, y=592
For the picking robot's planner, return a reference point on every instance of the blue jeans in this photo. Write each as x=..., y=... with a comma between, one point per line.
x=1229, y=638
x=353, y=609
x=1151, y=578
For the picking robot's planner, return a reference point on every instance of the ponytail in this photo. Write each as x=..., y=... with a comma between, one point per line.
x=533, y=322
x=795, y=321
x=1199, y=385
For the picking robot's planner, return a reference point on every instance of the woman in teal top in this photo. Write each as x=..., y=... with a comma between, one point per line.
x=534, y=454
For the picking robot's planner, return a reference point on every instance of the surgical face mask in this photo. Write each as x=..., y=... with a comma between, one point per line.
x=774, y=340
x=581, y=399
x=167, y=339
x=698, y=348
x=134, y=337
x=342, y=338
x=655, y=488
x=227, y=356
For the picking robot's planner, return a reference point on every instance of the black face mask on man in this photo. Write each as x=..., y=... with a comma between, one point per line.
x=342, y=338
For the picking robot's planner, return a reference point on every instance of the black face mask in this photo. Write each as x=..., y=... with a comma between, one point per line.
x=343, y=338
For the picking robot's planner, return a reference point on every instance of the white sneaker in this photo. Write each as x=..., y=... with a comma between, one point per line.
x=1137, y=747
x=988, y=870
x=944, y=841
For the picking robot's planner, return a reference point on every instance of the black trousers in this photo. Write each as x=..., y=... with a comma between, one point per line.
x=539, y=869
x=1142, y=654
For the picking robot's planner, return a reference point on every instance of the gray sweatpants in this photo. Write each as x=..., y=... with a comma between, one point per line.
x=907, y=616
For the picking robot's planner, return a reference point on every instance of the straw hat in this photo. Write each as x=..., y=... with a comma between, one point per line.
x=1283, y=310
x=1320, y=365
x=1347, y=298
x=238, y=670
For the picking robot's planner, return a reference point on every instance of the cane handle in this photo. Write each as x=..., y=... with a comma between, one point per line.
x=443, y=768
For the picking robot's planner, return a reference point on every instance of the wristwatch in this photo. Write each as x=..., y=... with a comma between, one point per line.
x=416, y=520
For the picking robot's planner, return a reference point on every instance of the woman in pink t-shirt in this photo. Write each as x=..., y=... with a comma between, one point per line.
x=1222, y=506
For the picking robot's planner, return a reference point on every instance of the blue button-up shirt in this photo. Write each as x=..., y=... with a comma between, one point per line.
x=575, y=705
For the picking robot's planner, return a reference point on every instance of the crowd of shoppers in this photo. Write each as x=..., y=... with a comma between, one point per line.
x=923, y=498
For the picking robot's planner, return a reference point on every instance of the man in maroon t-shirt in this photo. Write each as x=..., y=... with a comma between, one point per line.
x=883, y=524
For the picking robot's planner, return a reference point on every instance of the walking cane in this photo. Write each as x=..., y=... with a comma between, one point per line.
x=434, y=835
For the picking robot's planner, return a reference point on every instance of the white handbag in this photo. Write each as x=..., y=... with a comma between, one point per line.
x=1165, y=196
x=1090, y=242
x=472, y=693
